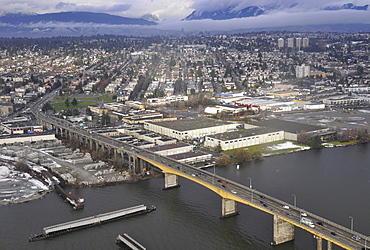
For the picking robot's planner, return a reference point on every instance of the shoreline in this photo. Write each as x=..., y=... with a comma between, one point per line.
x=36, y=196
x=42, y=194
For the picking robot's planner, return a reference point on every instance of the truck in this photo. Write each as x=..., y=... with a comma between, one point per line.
x=307, y=222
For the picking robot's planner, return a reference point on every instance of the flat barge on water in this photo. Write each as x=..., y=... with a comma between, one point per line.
x=91, y=221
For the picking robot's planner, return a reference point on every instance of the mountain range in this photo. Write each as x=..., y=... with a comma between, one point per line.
x=235, y=20
x=74, y=17
x=250, y=11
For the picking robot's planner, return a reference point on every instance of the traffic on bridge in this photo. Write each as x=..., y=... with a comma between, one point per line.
x=286, y=216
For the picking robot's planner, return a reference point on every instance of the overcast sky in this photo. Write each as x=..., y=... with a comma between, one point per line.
x=304, y=12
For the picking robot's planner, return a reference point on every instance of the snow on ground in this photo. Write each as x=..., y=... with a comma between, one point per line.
x=287, y=145
x=16, y=186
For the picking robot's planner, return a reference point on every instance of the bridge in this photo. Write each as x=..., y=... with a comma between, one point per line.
x=285, y=216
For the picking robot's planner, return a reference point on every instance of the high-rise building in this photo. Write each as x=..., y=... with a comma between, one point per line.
x=305, y=42
x=298, y=42
x=290, y=42
x=302, y=71
x=281, y=43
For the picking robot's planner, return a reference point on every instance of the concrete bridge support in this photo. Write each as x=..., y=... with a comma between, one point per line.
x=330, y=246
x=229, y=208
x=319, y=242
x=283, y=231
x=170, y=181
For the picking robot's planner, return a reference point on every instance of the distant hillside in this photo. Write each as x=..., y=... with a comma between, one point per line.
x=232, y=11
x=75, y=17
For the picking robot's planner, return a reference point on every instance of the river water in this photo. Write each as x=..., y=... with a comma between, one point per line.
x=333, y=183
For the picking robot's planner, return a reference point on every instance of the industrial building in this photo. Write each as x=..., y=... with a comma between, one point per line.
x=244, y=138
x=291, y=129
x=190, y=128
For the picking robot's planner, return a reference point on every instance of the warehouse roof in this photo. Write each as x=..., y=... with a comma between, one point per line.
x=243, y=133
x=192, y=123
x=292, y=127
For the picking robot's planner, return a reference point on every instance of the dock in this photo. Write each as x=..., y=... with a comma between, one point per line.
x=91, y=221
x=77, y=204
x=129, y=242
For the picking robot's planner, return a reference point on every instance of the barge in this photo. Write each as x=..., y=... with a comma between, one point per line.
x=91, y=221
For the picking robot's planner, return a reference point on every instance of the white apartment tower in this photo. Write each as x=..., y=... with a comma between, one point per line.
x=305, y=42
x=281, y=43
x=302, y=71
x=298, y=43
x=290, y=42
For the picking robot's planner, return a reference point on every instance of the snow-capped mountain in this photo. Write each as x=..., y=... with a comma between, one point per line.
x=250, y=11
x=71, y=17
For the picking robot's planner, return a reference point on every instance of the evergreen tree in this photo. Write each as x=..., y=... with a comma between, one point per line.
x=74, y=102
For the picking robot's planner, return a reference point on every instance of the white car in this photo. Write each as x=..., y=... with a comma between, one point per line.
x=303, y=214
x=286, y=207
x=233, y=191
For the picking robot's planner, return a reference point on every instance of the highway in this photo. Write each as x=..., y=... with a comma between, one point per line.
x=226, y=188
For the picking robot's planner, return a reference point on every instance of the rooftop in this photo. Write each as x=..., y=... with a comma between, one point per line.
x=242, y=133
x=191, y=123
x=292, y=127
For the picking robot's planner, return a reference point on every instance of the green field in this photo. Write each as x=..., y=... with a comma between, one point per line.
x=81, y=104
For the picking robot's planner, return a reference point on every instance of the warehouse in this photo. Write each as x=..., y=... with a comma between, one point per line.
x=191, y=128
x=244, y=138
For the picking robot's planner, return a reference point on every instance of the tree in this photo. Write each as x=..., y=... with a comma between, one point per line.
x=218, y=148
x=363, y=136
x=89, y=112
x=74, y=102
x=257, y=154
x=242, y=155
x=66, y=103
x=223, y=160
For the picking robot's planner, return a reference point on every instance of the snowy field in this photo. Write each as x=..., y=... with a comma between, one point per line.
x=287, y=145
x=16, y=186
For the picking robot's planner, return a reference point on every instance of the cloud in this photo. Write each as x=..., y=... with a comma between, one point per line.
x=277, y=19
x=92, y=8
x=165, y=9
x=304, y=5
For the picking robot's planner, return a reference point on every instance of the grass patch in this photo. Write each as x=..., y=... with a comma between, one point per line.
x=338, y=143
x=81, y=104
x=105, y=98
x=265, y=148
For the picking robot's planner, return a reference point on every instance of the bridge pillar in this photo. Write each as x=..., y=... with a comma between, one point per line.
x=170, y=181
x=330, y=246
x=229, y=208
x=283, y=231
x=319, y=242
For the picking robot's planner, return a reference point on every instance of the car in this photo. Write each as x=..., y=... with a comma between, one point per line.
x=334, y=233
x=320, y=223
x=234, y=192
x=263, y=197
x=265, y=205
x=262, y=202
x=223, y=186
x=227, y=182
x=286, y=207
x=355, y=237
x=219, y=181
x=303, y=214
x=192, y=174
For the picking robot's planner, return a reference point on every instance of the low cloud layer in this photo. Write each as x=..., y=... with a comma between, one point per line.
x=278, y=19
x=290, y=12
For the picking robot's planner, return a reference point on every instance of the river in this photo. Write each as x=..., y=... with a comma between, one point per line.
x=332, y=182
